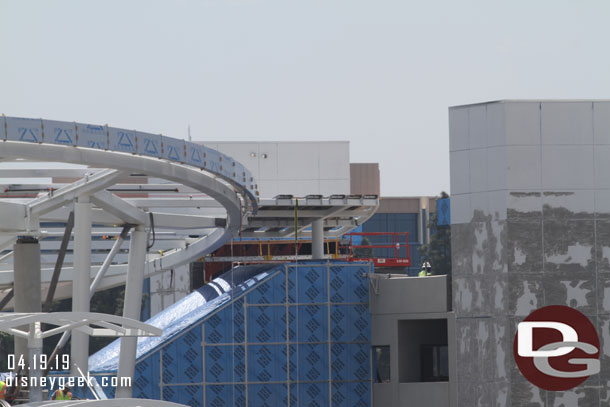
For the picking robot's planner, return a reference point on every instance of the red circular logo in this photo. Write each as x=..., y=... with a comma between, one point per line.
x=556, y=348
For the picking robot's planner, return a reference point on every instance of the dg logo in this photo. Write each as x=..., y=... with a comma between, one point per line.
x=556, y=348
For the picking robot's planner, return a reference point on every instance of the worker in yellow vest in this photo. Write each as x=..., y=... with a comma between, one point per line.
x=62, y=394
x=2, y=390
x=425, y=269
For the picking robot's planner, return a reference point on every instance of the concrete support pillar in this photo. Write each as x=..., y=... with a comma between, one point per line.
x=81, y=280
x=26, y=263
x=317, y=239
x=424, y=213
x=132, y=307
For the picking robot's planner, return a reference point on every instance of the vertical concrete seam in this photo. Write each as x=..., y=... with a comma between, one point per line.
x=595, y=257
x=469, y=171
x=542, y=206
x=546, y=395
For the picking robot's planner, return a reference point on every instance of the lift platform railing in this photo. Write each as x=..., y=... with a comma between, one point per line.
x=366, y=252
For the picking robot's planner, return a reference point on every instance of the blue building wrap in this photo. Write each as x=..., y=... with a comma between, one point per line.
x=443, y=212
x=281, y=335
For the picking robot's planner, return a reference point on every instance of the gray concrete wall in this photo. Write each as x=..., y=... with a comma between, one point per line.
x=401, y=295
x=530, y=210
x=396, y=300
x=424, y=394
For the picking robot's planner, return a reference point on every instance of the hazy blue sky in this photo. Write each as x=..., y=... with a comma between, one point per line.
x=378, y=73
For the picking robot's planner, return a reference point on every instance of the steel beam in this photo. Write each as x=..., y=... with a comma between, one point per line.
x=59, y=263
x=81, y=279
x=132, y=307
x=119, y=208
x=85, y=186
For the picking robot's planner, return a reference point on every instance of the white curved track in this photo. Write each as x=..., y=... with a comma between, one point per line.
x=196, y=168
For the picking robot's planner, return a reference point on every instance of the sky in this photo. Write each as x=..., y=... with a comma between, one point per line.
x=379, y=73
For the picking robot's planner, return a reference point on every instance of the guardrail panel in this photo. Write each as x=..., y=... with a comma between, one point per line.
x=122, y=140
x=55, y=132
x=212, y=160
x=194, y=154
x=20, y=129
x=149, y=144
x=91, y=136
x=173, y=149
x=226, y=166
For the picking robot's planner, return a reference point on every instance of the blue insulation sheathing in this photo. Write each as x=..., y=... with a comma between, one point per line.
x=266, y=335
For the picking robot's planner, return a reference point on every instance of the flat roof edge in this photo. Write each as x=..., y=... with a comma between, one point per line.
x=530, y=101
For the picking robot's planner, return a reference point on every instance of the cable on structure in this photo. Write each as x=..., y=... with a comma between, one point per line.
x=152, y=227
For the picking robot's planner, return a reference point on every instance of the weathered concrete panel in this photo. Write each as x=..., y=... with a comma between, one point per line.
x=603, y=293
x=524, y=246
x=467, y=394
x=537, y=233
x=602, y=245
x=584, y=395
x=579, y=204
x=525, y=293
x=569, y=245
x=523, y=393
x=464, y=331
x=576, y=289
x=603, y=326
x=494, y=394
x=524, y=205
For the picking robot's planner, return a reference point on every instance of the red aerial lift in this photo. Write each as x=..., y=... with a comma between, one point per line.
x=398, y=240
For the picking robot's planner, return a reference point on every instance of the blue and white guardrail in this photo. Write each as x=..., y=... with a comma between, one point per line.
x=128, y=141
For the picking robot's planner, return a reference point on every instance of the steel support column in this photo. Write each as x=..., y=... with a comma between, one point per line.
x=81, y=280
x=317, y=239
x=133, y=305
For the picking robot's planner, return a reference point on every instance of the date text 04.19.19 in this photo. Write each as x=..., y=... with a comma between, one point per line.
x=42, y=362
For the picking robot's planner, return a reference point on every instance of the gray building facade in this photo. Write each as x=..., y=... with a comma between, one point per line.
x=530, y=213
x=411, y=320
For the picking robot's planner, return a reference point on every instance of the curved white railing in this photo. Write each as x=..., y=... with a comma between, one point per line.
x=103, y=137
x=201, y=168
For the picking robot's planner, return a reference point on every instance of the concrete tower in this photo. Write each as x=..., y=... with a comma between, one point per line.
x=530, y=212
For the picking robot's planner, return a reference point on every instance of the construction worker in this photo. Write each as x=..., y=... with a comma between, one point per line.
x=2, y=390
x=62, y=394
x=425, y=269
